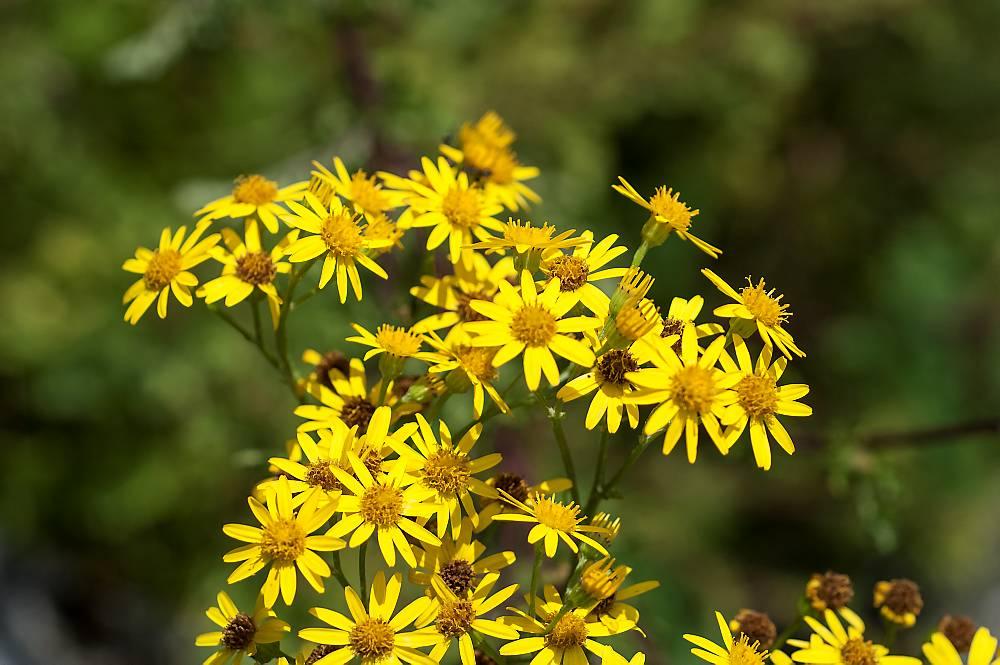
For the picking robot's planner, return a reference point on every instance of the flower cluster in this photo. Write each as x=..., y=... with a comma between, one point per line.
x=513, y=315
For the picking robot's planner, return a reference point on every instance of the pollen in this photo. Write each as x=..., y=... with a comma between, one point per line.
x=534, y=325
x=164, y=265
x=758, y=395
x=255, y=190
x=398, y=341
x=239, y=632
x=256, y=268
x=614, y=365
x=342, y=234
x=382, y=505
x=693, y=389
x=458, y=575
x=635, y=320
x=372, y=640
x=744, y=653
x=556, y=515
x=455, y=618
x=858, y=652
x=366, y=193
x=320, y=475
x=477, y=361
x=570, y=631
x=764, y=306
x=283, y=540
x=571, y=271
x=446, y=472
x=666, y=204
x=357, y=411
x=462, y=207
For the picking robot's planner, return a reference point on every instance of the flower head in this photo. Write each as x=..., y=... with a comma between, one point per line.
x=835, y=644
x=731, y=652
x=460, y=616
x=240, y=632
x=613, y=392
x=899, y=601
x=254, y=195
x=757, y=310
x=982, y=650
x=553, y=521
x=667, y=213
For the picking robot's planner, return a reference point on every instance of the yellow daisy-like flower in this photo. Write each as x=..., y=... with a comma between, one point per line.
x=384, y=506
x=940, y=651
x=730, y=652
x=565, y=643
x=532, y=323
x=759, y=400
x=254, y=195
x=459, y=560
x=474, y=279
x=348, y=399
x=384, y=235
x=445, y=468
x=337, y=234
x=756, y=310
x=467, y=367
x=363, y=191
x=614, y=612
x=525, y=238
x=375, y=635
x=458, y=617
x=667, y=213
x=321, y=364
x=313, y=474
x=613, y=392
x=457, y=209
x=241, y=632
x=680, y=314
x=689, y=391
x=578, y=272
x=397, y=342
x=490, y=129
x=835, y=644
x=165, y=270
x=246, y=266
x=554, y=521
x=283, y=542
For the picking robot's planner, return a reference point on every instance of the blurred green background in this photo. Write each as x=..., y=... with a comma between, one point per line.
x=848, y=152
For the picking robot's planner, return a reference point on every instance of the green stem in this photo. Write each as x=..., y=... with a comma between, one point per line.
x=536, y=568
x=786, y=633
x=555, y=417
x=281, y=332
x=597, y=486
x=637, y=450
x=247, y=335
x=559, y=615
x=640, y=254
x=338, y=571
x=891, y=630
x=362, y=575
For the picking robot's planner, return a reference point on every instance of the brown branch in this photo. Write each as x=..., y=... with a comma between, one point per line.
x=931, y=435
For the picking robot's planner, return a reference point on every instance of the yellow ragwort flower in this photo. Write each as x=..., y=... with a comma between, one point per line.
x=553, y=521
x=578, y=272
x=254, y=195
x=613, y=392
x=983, y=651
x=667, y=214
x=459, y=617
x=240, y=632
x=730, y=652
x=835, y=644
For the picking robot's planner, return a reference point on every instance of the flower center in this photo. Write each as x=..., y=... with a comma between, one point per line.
x=373, y=462
x=382, y=505
x=533, y=325
x=318, y=652
x=254, y=189
x=320, y=475
x=693, y=388
x=477, y=361
x=744, y=653
x=757, y=627
x=672, y=326
x=397, y=341
x=512, y=484
x=357, y=411
x=330, y=361
x=758, y=395
x=570, y=631
x=458, y=576
x=959, y=630
x=464, y=309
x=555, y=515
x=256, y=268
x=455, y=618
x=372, y=639
x=572, y=272
x=493, y=162
x=763, y=305
x=366, y=194
x=163, y=266
x=283, y=540
x=462, y=207
x=667, y=204
x=446, y=472
x=858, y=652
x=535, y=237
x=830, y=589
x=239, y=632
x=603, y=607
x=614, y=365
x=342, y=234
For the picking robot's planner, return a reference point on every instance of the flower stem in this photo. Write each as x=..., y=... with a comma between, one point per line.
x=338, y=571
x=555, y=417
x=597, y=487
x=362, y=575
x=247, y=335
x=535, y=570
x=640, y=254
x=786, y=633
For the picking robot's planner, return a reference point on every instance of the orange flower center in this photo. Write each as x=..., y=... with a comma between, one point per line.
x=163, y=266
x=256, y=268
x=255, y=190
x=533, y=325
x=283, y=540
x=693, y=389
x=758, y=395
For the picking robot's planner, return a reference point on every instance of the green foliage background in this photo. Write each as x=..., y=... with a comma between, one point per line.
x=846, y=151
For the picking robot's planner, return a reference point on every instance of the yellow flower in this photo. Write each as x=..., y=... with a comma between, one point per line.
x=940, y=651
x=680, y=314
x=614, y=612
x=475, y=279
x=313, y=474
x=283, y=542
x=554, y=521
x=759, y=400
x=490, y=129
x=688, y=390
x=348, y=399
x=375, y=635
x=381, y=505
x=165, y=269
x=384, y=235
x=466, y=367
x=241, y=632
x=336, y=233
x=566, y=642
x=730, y=652
x=254, y=195
x=613, y=393
x=322, y=364
x=458, y=617
x=532, y=323
x=395, y=341
x=456, y=209
x=459, y=561
x=247, y=266
x=756, y=309
x=578, y=272
x=833, y=644
x=445, y=468
x=363, y=191
x=667, y=213
x=529, y=240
